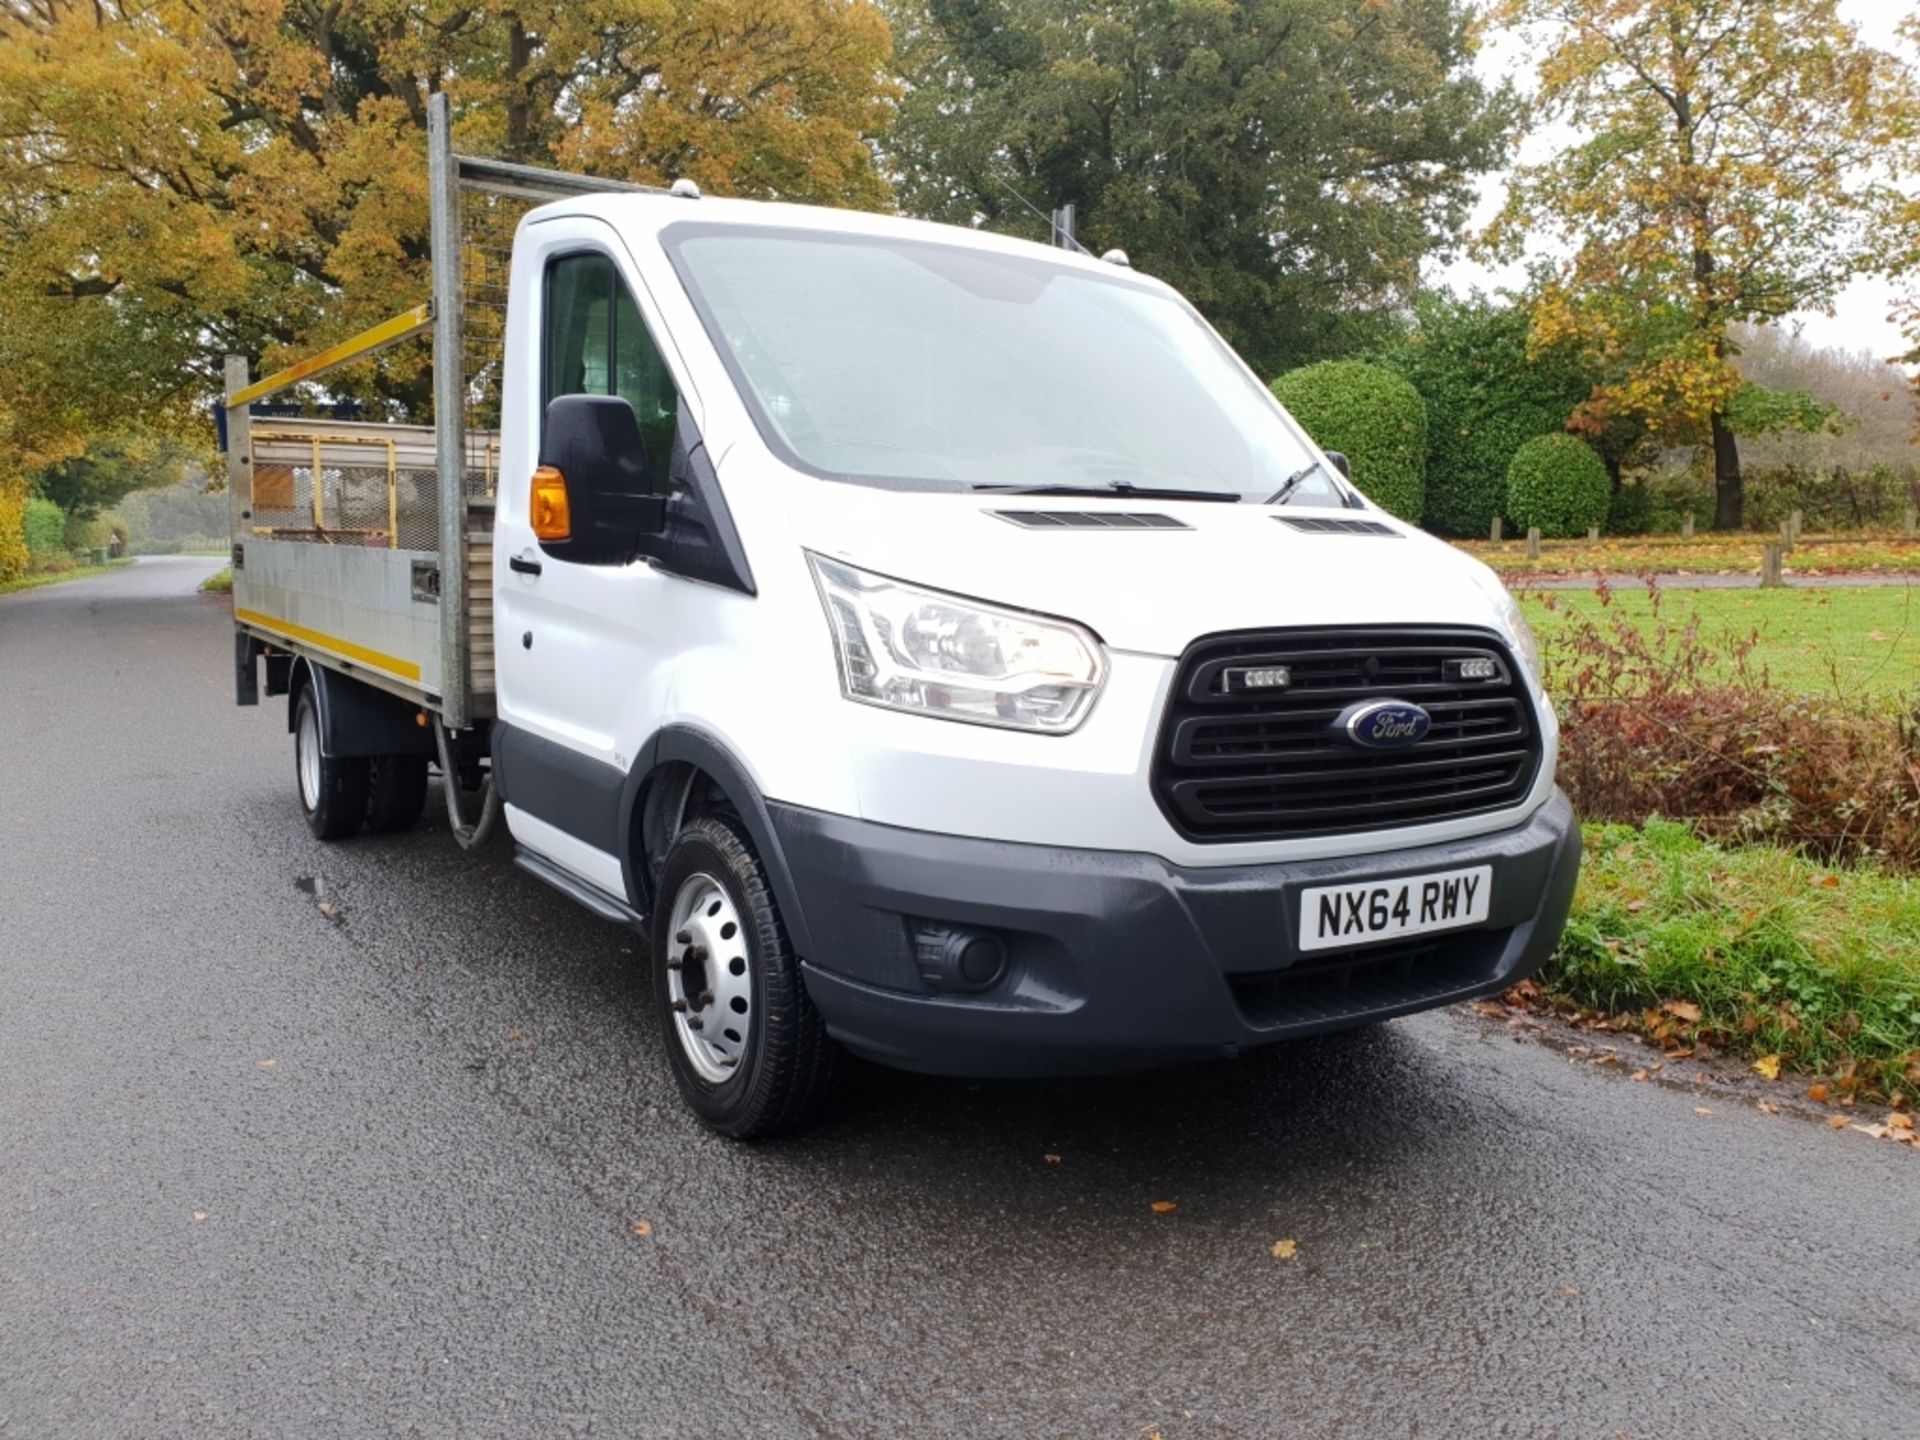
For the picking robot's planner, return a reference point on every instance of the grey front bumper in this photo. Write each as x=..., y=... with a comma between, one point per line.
x=1122, y=961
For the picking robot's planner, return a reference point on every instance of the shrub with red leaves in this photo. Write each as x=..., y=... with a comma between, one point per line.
x=1660, y=721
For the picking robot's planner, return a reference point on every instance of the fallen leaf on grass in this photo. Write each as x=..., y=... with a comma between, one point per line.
x=1817, y=1092
x=643, y=1228
x=1769, y=1107
x=1165, y=1207
x=1837, y=1122
x=1828, y=882
x=1490, y=1009
x=1899, y=1121
x=1767, y=1067
x=1638, y=1075
x=1682, y=1010
x=1284, y=1249
x=1878, y=1132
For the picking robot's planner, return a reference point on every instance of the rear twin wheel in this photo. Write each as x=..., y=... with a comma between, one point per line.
x=748, y=1050
x=340, y=793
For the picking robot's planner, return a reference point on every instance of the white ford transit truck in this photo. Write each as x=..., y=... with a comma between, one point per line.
x=941, y=647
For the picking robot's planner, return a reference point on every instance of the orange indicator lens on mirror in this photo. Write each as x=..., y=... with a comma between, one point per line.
x=552, y=520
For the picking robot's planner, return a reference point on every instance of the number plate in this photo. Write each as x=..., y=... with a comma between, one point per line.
x=1336, y=915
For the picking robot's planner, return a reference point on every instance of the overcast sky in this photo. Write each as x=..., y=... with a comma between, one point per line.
x=1860, y=319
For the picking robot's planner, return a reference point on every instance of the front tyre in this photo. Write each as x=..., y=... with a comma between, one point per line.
x=748, y=1050
x=333, y=790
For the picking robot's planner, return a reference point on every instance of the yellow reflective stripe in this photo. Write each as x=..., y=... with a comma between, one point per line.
x=392, y=664
x=388, y=332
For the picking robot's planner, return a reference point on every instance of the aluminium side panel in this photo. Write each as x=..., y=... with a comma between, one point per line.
x=353, y=608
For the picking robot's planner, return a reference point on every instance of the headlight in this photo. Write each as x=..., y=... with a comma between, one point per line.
x=912, y=649
x=1521, y=634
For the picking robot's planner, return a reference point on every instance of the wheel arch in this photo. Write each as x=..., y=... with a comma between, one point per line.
x=683, y=771
x=355, y=718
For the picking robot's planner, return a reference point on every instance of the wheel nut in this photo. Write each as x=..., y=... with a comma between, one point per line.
x=696, y=953
x=673, y=964
x=706, y=999
x=694, y=1022
x=679, y=1007
x=681, y=937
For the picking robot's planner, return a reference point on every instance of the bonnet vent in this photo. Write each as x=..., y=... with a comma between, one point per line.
x=1090, y=520
x=1327, y=525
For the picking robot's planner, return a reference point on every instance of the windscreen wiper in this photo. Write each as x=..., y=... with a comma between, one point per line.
x=1292, y=483
x=1119, y=487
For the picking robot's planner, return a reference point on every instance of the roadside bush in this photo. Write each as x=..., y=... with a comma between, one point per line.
x=1373, y=417
x=13, y=539
x=1485, y=397
x=1837, y=499
x=1560, y=483
x=1630, y=511
x=1659, y=720
x=45, y=528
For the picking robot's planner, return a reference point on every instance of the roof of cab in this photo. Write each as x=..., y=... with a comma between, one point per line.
x=650, y=213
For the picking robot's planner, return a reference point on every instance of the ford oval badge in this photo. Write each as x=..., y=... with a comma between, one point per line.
x=1384, y=724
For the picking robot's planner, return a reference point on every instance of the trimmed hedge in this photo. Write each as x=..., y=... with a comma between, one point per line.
x=45, y=526
x=1560, y=483
x=1486, y=397
x=1374, y=418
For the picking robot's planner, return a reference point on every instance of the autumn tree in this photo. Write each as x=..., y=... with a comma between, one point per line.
x=185, y=178
x=1732, y=163
x=1286, y=163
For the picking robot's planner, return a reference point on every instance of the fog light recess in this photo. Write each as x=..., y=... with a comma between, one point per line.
x=954, y=958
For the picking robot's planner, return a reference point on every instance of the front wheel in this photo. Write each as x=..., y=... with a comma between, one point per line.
x=748, y=1050
x=333, y=789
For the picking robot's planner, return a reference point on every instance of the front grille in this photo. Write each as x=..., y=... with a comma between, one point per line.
x=1238, y=764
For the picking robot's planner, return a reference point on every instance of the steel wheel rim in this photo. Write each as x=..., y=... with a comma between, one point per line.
x=306, y=744
x=709, y=979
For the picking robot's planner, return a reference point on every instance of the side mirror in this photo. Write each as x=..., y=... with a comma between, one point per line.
x=1340, y=463
x=590, y=499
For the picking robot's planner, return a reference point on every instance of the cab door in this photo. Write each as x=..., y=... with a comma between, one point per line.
x=581, y=649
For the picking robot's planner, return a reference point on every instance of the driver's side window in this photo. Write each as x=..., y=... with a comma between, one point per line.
x=596, y=344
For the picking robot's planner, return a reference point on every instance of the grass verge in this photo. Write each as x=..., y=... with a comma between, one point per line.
x=56, y=577
x=1831, y=642
x=1753, y=951
x=221, y=584
x=1703, y=555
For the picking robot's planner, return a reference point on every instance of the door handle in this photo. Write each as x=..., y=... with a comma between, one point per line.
x=522, y=566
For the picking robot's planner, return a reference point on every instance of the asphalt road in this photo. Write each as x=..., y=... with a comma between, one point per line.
x=270, y=1171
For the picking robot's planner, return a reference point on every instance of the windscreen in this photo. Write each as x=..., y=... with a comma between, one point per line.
x=905, y=363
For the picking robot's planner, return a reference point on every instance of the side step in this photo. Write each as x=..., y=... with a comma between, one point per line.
x=607, y=907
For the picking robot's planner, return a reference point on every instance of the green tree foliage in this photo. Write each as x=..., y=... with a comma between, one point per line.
x=1485, y=398
x=1560, y=483
x=1285, y=163
x=44, y=526
x=1373, y=417
x=109, y=470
